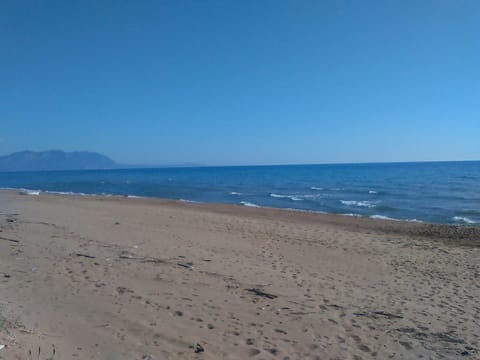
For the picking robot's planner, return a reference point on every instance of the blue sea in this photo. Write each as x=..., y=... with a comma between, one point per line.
x=436, y=192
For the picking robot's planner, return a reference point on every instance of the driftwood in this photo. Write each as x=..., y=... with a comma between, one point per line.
x=259, y=292
x=125, y=255
x=187, y=265
x=85, y=255
x=7, y=239
x=375, y=314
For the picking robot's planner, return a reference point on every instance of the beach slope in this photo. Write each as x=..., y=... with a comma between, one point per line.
x=119, y=278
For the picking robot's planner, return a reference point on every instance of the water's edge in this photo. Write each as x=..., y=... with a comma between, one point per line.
x=441, y=193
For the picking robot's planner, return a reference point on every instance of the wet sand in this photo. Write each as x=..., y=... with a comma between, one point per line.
x=117, y=278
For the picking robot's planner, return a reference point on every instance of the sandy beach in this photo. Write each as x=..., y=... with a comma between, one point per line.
x=119, y=278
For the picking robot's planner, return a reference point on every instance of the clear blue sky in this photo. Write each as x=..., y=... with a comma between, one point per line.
x=242, y=82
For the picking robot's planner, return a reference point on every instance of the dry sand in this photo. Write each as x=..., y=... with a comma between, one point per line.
x=164, y=275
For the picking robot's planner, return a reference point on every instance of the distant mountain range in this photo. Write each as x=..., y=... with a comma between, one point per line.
x=55, y=160
x=61, y=160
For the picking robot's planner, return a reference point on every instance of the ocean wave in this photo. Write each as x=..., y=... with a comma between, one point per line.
x=305, y=211
x=29, y=192
x=373, y=192
x=34, y=192
x=291, y=197
x=352, y=214
x=382, y=217
x=464, y=219
x=236, y=193
x=188, y=201
x=66, y=193
x=358, y=203
x=71, y=193
x=249, y=204
x=317, y=188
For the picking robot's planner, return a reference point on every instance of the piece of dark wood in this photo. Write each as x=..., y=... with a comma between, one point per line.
x=262, y=293
x=187, y=265
x=375, y=314
x=85, y=255
x=7, y=239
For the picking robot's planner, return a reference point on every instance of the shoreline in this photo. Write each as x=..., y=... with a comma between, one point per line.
x=111, y=278
x=467, y=235
x=35, y=192
x=418, y=193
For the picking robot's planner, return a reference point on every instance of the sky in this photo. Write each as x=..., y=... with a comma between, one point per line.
x=242, y=82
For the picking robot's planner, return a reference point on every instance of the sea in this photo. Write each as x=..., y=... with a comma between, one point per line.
x=433, y=192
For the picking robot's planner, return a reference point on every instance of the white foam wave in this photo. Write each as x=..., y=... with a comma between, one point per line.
x=316, y=188
x=464, y=219
x=372, y=192
x=305, y=211
x=29, y=192
x=246, y=203
x=382, y=217
x=65, y=193
x=358, y=203
x=291, y=197
x=188, y=201
x=278, y=196
x=235, y=193
x=70, y=193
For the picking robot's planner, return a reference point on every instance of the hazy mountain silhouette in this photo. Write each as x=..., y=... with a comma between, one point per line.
x=55, y=160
